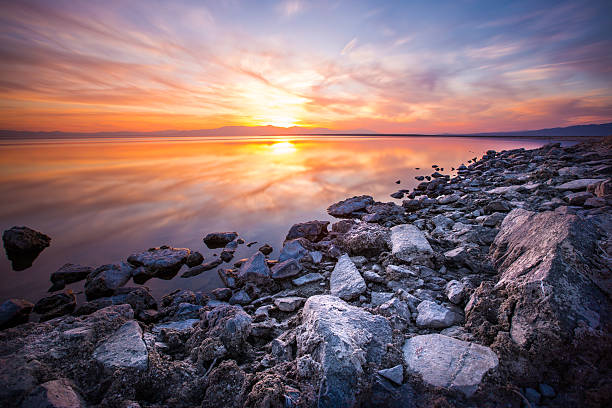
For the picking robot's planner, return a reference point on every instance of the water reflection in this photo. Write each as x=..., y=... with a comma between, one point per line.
x=102, y=199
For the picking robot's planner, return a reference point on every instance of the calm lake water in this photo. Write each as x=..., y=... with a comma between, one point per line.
x=102, y=199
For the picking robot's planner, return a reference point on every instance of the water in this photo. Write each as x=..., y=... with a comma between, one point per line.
x=102, y=199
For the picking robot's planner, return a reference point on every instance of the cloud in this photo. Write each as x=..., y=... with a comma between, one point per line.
x=290, y=8
x=349, y=46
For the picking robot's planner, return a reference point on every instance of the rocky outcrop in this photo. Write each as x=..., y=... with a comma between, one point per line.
x=162, y=262
x=342, y=338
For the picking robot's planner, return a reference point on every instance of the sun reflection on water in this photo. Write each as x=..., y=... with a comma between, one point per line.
x=284, y=147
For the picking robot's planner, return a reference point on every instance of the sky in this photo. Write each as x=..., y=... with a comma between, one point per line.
x=388, y=66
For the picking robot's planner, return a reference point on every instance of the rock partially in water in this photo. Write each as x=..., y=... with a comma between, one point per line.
x=446, y=362
x=350, y=208
x=23, y=245
x=216, y=240
x=14, y=312
x=266, y=249
x=255, y=270
x=293, y=250
x=162, y=262
x=56, y=305
x=194, y=259
x=69, y=273
x=206, y=266
x=124, y=349
x=346, y=282
x=106, y=279
x=343, y=339
x=313, y=231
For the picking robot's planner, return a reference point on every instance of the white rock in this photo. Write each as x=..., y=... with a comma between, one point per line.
x=345, y=281
x=124, y=349
x=436, y=316
x=408, y=243
x=288, y=304
x=455, y=291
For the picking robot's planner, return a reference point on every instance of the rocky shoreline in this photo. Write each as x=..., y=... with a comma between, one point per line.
x=491, y=288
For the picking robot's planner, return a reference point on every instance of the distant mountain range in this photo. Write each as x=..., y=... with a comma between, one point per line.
x=604, y=129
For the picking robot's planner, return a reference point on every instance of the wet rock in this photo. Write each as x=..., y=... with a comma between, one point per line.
x=365, y=239
x=286, y=269
x=342, y=338
x=53, y=394
x=14, y=312
x=206, y=266
x=125, y=349
x=70, y=273
x=164, y=261
x=23, y=245
x=394, y=374
x=216, y=240
x=106, y=279
x=139, y=298
x=56, y=305
x=313, y=231
x=226, y=255
x=435, y=316
x=397, y=194
x=409, y=244
x=449, y=363
x=577, y=185
x=255, y=270
x=308, y=278
x=345, y=281
x=288, y=304
x=266, y=249
x=194, y=259
x=351, y=207
x=292, y=250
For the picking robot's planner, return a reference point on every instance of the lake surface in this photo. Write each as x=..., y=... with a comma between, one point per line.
x=102, y=199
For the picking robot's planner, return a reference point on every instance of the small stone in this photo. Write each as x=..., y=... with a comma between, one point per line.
x=397, y=194
x=378, y=298
x=372, y=276
x=578, y=198
x=496, y=206
x=435, y=316
x=226, y=255
x=194, y=259
x=288, y=304
x=317, y=257
x=394, y=374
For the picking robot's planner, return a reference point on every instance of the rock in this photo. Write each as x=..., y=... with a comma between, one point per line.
x=106, y=279
x=255, y=270
x=164, y=261
x=372, y=276
x=345, y=281
x=288, y=304
x=53, y=394
x=397, y=311
x=601, y=189
x=532, y=395
x=409, y=244
x=231, y=325
x=317, y=257
x=594, y=202
x=70, y=273
x=365, y=239
x=216, y=240
x=578, y=198
x=55, y=305
x=446, y=362
x=496, y=206
x=194, y=259
x=546, y=390
x=577, y=185
x=180, y=326
x=292, y=250
x=455, y=291
x=378, y=298
x=23, y=245
x=435, y=316
x=125, y=349
x=286, y=269
x=240, y=298
x=313, y=231
x=226, y=255
x=342, y=338
x=394, y=374
x=139, y=298
x=266, y=249
x=494, y=219
x=14, y=312
x=207, y=266
x=448, y=199
x=397, y=194
x=351, y=207
x=308, y=278
x=222, y=294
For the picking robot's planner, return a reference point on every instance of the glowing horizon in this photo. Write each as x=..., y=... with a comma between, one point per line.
x=393, y=67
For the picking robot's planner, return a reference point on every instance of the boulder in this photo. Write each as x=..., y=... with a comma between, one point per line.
x=286, y=269
x=313, y=231
x=292, y=250
x=53, y=394
x=435, y=316
x=255, y=270
x=345, y=281
x=125, y=349
x=23, y=245
x=365, y=239
x=194, y=259
x=351, y=207
x=408, y=243
x=14, y=312
x=70, y=273
x=230, y=324
x=216, y=240
x=343, y=339
x=445, y=362
x=164, y=261
x=106, y=279
x=56, y=305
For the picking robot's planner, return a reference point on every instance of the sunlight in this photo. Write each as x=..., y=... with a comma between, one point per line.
x=282, y=148
x=281, y=121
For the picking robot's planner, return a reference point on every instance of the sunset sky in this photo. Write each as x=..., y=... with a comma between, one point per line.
x=404, y=66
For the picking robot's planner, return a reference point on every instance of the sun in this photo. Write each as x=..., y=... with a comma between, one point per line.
x=281, y=121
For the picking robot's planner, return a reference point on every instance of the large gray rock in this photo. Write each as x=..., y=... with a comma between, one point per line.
x=53, y=394
x=230, y=324
x=286, y=269
x=313, y=231
x=435, y=316
x=105, y=280
x=14, y=312
x=342, y=338
x=163, y=261
x=70, y=273
x=351, y=207
x=345, y=281
x=365, y=239
x=255, y=269
x=446, y=362
x=292, y=250
x=409, y=244
x=124, y=349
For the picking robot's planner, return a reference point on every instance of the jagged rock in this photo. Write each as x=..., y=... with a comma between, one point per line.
x=226, y=384
x=216, y=240
x=288, y=304
x=240, y=298
x=313, y=231
x=378, y=298
x=578, y=198
x=397, y=311
x=55, y=305
x=124, y=349
x=139, y=298
x=222, y=294
x=255, y=270
x=292, y=250
x=365, y=239
x=164, y=261
x=194, y=259
x=70, y=273
x=53, y=394
x=23, y=245
x=345, y=281
x=106, y=279
x=351, y=207
x=446, y=362
x=577, y=185
x=226, y=255
x=286, y=269
x=230, y=324
x=496, y=206
x=342, y=338
x=448, y=199
x=206, y=266
x=433, y=315
x=394, y=374
x=372, y=276
x=455, y=291
x=494, y=219
x=14, y=312
x=408, y=244
x=308, y=278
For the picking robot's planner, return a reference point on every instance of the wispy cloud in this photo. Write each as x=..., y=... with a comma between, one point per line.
x=349, y=46
x=289, y=8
